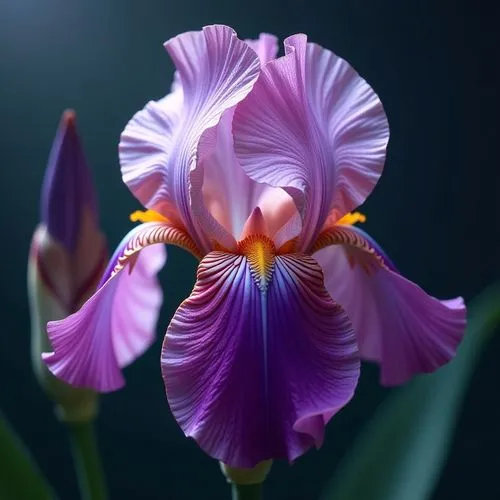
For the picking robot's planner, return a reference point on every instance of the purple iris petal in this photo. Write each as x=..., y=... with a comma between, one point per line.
x=67, y=191
x=252, y=375
x=227, y=193
x=314, y=127
x=266, y=47
x=158, y=148
x=378, y=249
x=115, y=326
x=396, y=323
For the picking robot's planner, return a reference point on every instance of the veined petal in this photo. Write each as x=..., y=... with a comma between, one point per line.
x=253, y=372
x=397, y=324
x=314, y=127
x=350, y=112
x=158, y=148
x=138, y=299
x=118, y=322
x=145, y=149
x=228, y=193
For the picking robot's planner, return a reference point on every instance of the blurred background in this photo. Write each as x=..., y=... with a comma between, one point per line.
x=435, y=66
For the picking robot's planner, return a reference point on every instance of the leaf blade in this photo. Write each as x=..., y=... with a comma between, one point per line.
x=20, y=478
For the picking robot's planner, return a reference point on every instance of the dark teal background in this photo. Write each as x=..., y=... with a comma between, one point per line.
x=435, y=65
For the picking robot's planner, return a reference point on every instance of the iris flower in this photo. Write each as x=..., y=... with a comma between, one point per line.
x=254, y=164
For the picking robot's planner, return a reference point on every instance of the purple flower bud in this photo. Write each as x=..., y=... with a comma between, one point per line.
x=67, y=258
x=67, y=187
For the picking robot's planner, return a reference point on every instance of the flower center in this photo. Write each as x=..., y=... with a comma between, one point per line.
x=260, y=252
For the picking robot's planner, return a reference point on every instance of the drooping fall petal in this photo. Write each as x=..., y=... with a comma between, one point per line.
x=253, y=373
x=397, y=324
x=137, y=305
x=158, y=148
x=314, y=127
x=118, y=322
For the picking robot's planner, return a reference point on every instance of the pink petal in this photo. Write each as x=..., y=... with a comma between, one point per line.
x=356, y=125
x=158, y=148
x=281, y=215
x=261, y=383
x=266, y=47
x=397, y=324
x=227, y=192
x=145, y=151
x=137, y=306
x=312, y=126
x=83, y=353
x=115, y=326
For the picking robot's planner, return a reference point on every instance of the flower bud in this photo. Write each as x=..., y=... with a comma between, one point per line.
x=67, y=257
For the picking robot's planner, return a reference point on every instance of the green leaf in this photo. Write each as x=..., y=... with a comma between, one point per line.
x=20, y=478
x=400, y=454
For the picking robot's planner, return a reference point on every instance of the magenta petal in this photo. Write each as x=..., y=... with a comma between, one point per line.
x=266, y=47
x=229, y=194
x=253, y=375
x=112, y=328
x=158, y=148
x=314, y=127
x=397, y=324
x=226, y=193
x=83, y=353
x=145, y=148
x=137, y=305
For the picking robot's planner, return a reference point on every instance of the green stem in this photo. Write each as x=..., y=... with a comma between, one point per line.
x=247, y=491
x=87, y=461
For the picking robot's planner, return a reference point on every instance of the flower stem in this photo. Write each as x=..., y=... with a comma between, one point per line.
x=247, y=491
x=87, y=461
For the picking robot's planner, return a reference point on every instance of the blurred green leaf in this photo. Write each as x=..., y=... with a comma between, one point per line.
x=20, y=478
x=399, y=456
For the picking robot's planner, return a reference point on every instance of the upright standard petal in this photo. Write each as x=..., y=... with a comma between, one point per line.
x=314, y=127
x=226, y=190
x=397, y=324
x=266, y=47
x=158, y=148
x=261, y=383
x=229, y=194
x=118, y=322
